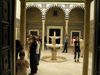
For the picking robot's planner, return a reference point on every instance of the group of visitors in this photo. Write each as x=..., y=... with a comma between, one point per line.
x=21, y=64
x=35, y=50
x=34, y=43
x=78, y=46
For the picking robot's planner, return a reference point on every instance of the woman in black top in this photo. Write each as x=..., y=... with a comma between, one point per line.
x=33, y=56
x=76, y=49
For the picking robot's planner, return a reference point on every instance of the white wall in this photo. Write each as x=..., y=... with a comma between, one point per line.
x=92, y=11
x=18, y=9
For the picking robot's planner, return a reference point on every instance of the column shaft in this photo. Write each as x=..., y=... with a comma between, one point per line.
x=43, y=32
x=86, y=37
x=67, y=26
x=23, y=23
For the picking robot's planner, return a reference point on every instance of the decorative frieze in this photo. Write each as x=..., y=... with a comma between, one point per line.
x=45, y=6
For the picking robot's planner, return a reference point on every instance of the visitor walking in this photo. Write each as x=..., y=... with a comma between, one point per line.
x=76, y=49
x=22, y=64
x=33, y=56
x=66, y=43
x=81, y=46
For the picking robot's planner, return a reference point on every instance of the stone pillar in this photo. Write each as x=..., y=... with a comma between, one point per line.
x=86, y=37
x=66, y=26
x=23, y=23
x=54, y=54
x=43, y=30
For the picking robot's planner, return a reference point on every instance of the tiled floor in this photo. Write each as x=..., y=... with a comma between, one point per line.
x=65, y=68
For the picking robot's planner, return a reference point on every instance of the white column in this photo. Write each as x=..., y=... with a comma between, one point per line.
x=43, y=30
x=66, y=26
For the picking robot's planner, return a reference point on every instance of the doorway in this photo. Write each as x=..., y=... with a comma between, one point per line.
x=75, y=34
x=59, y=32
x=51, y=33
x=34, y=32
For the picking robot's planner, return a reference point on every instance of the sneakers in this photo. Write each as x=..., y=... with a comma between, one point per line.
x=62, y=52
x=77, y=60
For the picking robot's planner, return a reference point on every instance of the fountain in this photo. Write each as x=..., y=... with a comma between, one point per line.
x=54, y=46
x=54, y=56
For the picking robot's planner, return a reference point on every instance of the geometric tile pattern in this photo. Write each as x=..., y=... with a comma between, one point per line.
x=45, y=6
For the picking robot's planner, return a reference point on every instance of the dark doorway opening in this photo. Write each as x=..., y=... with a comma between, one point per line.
x=51, y=33
x=33, y=33
x=75, y=34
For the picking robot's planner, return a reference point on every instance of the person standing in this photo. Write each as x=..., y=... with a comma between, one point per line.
x=22, y=64
x=18, y=48
x=72, y=42
x=76, y=49
x=29, y=41
x=38, y=51
x=33, y=56
x=66, y=43
x=81, y=46
x=45, y=41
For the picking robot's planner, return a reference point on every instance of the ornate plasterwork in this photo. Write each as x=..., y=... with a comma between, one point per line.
x=45, y=6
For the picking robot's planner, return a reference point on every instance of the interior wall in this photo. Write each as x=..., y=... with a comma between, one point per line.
x=76, y=16
x=58, y=20
x=18, y=19
x=91, y=25
x=76, y=22
x=18, y=9
x=33, y=20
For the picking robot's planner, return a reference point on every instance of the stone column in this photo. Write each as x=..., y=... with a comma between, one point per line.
x=43, y=30
x=66, y=26
x=23, y=23
x=86, y=37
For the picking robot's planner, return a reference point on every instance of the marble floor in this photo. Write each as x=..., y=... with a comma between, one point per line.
x=65, y=68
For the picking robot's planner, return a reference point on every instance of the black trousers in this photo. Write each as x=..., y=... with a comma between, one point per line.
x=38, y=58
x=76, y=53
x=33, y=63
x=65, y=47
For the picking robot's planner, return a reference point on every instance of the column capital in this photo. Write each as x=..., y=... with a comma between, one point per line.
x=43, y=20
x=67, y=20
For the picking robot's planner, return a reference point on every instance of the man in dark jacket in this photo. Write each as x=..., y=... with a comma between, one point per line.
x=66, y=43
x=33, y=56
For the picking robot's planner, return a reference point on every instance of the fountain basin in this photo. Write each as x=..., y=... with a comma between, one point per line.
x=54, y=46
x=59, y=59
x=54, y=37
